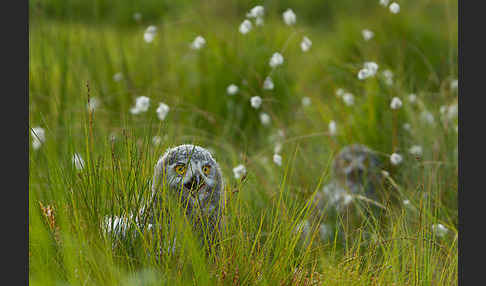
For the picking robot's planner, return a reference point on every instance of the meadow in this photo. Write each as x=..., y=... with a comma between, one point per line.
x=113, y=84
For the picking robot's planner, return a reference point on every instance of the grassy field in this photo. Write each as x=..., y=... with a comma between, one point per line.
x=80, y=50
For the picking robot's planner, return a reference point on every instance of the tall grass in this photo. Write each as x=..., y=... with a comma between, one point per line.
x=271, y=232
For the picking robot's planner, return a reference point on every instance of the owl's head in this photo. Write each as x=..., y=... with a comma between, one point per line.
x=189, y=169
x=357, y=167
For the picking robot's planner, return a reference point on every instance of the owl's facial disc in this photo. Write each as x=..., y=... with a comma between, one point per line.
x=194, y=177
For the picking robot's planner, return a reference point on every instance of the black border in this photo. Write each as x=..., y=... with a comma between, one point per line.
x=15, y=118
x=471, y=118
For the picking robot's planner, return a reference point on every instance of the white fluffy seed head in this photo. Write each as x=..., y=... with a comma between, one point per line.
x=245, y=27
x=306, y=101
x=394, y=8
x=416, y=150
x=276, y=60
x=371, y=66
x=256, y=12
x=38, y=137
x=256, y=102
x=340, y=92
x=332, y=128
x=277, y=159
x=93, y=104
x=348, y=98
x=268, y=83
x=367, y=34
x=198, y=43
x=150, y=33
x=239, y=171
x=118, y=77
x=396, y=103
x=265, y=118
x=396, y=158
x=148, y=37
x=162, y=110
x=142, y=104
x=289, y=17
x=232, y=89
x=363, y=74
x=306, y=44
x=369, y=69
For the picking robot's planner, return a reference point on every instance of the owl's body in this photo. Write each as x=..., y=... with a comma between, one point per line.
x=356, y=171
x=194, y=179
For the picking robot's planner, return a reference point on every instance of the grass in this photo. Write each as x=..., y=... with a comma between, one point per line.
x=75, y=49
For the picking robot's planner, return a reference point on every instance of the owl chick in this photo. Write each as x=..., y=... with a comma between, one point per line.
x=191, y=175
x=356, y=171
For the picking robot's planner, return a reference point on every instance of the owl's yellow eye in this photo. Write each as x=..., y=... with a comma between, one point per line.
x=180, y=169
x=206, y=169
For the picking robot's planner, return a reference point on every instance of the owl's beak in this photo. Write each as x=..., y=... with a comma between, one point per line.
x=358, y=173
x=195, y=183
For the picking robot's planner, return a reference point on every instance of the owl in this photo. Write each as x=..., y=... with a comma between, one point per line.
x=194, y=179
x=356, y=171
